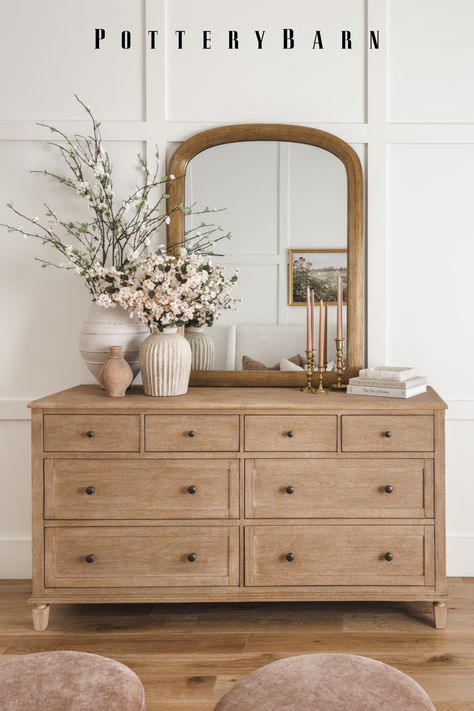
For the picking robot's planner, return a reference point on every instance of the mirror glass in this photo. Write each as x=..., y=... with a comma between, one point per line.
x=285, y=205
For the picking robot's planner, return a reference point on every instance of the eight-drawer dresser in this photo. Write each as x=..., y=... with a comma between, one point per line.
x=233, y=494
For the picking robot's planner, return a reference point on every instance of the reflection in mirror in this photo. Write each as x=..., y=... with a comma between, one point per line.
x=286, y=208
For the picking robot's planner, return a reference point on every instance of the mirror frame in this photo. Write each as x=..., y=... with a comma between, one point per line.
x=355, y=240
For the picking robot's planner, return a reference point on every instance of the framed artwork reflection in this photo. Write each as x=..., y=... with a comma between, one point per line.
x=318, y=269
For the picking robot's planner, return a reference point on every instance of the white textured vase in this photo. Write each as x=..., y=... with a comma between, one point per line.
x=165, y=362
x=203, y=350
x=103, y=328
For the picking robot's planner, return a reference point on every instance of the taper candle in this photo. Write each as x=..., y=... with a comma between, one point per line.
x=321, y=335
x=325, y=333
x=339, y=307
x=308, y=321
x=313, y=325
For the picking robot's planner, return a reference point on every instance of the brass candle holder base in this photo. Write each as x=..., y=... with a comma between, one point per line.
x=310, y=357
x=321, y=390
x=339, y=385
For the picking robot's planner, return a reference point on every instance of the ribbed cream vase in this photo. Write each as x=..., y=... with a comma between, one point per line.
x=203, y=350
x=165, y=363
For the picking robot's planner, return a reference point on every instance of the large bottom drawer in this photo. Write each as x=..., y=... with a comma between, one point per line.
x=339, y=555
x=139, y=556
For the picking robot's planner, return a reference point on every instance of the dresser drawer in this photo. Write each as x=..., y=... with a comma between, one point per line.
x=339, y=555
x=91, y=433
x=329, y=488
x=387, y=433
x=141, y=489
x=192, y=433
x=141, y=556
x=291, y=433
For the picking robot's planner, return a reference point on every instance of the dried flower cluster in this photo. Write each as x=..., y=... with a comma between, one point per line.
x=117, y=235
x=171, y=290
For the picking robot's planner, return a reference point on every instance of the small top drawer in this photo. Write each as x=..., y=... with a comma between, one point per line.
x=291, y=433
x=192, y=433
x=387, y=433
x=91, y=433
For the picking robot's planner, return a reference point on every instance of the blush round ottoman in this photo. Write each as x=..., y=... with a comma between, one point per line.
x=326, y=682
x=69, y=681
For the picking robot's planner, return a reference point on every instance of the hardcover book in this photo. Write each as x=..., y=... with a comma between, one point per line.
x=385, y=392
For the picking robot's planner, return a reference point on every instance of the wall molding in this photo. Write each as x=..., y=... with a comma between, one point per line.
x=15, y=558
x=16, y=409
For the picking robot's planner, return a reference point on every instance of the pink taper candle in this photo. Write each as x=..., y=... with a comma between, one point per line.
x=321, y=335
x=308, y=321
x=325, y=332
x=313, y=325
x=339, y=307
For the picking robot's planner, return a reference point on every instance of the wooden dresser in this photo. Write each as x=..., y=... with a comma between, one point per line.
x=232, y=494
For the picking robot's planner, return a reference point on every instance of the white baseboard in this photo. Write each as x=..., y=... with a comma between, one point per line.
x=460, y=556
x=15, y=557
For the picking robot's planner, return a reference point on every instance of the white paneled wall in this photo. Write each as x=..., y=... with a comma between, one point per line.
x=408, y=108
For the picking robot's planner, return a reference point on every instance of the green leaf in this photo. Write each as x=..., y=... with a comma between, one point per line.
x=43, y=266
x=110, y=289
x=10, y=205
x=53, y=130
x=151, y=294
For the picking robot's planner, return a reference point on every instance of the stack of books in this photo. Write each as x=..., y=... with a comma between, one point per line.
x=387, y=381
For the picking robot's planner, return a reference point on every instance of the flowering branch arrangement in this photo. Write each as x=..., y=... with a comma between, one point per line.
x=107, y=247
x=173, y=290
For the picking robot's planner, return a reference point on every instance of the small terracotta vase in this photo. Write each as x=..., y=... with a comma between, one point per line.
x=115, y=375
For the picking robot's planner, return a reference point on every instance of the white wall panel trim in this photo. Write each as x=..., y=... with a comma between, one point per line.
x=460, y=556
x=14, y=409
x=376, y=194
x=15, y=558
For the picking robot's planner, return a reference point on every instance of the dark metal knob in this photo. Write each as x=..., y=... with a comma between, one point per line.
x=290, y=489
x=90, y=433
x=389, y=489
x=290, y=433
x=290, y=556
x=191, y=433
x=388, y=433
x=388, y=556
x=192, y=557
x=191, y=489
x=90, y=490
x=90, y=558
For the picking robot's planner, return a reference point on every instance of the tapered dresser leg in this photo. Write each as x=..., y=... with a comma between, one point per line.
x=40, y=617
x=440, y=611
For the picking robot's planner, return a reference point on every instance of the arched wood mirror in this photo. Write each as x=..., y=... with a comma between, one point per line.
x=293, y=199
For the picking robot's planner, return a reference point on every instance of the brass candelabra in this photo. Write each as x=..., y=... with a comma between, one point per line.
x=339, y=385
x=310, y=370
x=310, y=357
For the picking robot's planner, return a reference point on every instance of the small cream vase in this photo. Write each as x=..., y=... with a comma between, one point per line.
x=203, y=350
x=165, y=363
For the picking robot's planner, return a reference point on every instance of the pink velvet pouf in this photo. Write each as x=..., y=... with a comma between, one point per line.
x=326, y=682
x=69, y=681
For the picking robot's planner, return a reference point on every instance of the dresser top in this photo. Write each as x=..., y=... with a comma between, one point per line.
x=92, y=397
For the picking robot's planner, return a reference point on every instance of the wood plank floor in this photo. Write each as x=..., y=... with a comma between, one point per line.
x=188, y=655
